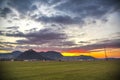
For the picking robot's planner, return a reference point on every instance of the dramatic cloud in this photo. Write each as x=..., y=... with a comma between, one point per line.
x=12, y=33
x=5, y=11
x=59, y=19
x=101, y=45
x=59, y=24
x=64, y=12
x=22, y=6
x=13, y=27
x=85, y=8
x=43, y=36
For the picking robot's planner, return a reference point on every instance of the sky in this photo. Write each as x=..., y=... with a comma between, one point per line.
x=72, y=27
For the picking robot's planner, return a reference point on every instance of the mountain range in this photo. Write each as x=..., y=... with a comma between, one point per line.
x=31, y=55
x=49, y=55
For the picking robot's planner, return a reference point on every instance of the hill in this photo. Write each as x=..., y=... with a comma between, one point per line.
x=53, y=55
x=30, y=55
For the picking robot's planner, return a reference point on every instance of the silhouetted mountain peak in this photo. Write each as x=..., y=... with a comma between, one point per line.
x=30, y=54
x=31, y=50
x=51, y=55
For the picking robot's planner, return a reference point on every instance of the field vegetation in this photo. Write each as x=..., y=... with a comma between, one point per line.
x=53, y=70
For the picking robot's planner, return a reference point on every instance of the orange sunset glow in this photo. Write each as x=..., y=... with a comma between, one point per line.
x=75, y=52
x=111, y=52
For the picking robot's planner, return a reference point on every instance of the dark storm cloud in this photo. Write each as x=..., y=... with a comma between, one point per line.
x=47, y=36
x=112, y=42
x=80, y=9
x=84, y=42
x=85, y=8
x=60, y=19
x=68, y=43
x=75, y=11
x=5, y=11
x=1, y=2
x=6, y=45
x=1, y=32
x=12, y=33
x=15, y=34
x=22, y=6
x=42, y=36
x=102, y=44
x=2, y=42
x=13, y=27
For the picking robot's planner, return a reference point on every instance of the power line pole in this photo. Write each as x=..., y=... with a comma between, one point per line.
x=105, y=53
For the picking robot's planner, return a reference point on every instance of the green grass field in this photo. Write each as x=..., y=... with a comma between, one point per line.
x=93, y=70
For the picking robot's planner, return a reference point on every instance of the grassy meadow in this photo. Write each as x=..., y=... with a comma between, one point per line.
x=76, y=70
